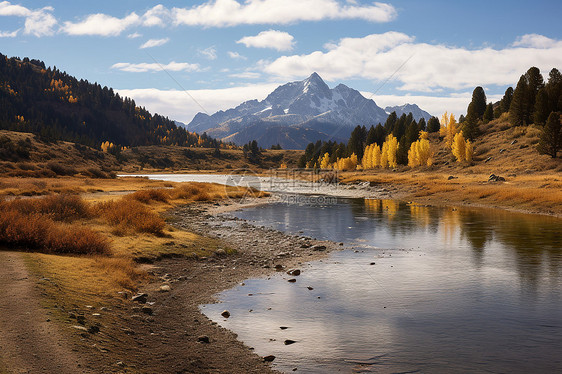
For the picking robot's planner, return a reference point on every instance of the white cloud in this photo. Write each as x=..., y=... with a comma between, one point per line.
x=455, y=103
x=224, y=13
x=147, y=67
x=534, y=41
x=7, y=9
x=101, y=24
x=9, y=34
x=236, y=55
x=134, y=35
x=154, y=43
x=38, y=22
x=279, y=40
x=209, y=53
x=157, y=16
x=246, y=75
x=179, y=106
x=417, y=66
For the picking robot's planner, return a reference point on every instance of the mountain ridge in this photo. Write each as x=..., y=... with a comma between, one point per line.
x=295, y=114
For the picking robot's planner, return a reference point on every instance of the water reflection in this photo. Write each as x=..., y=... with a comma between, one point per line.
x=452, y=290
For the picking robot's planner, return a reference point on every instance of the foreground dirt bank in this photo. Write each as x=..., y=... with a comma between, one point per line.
x=29, y=341
x=164, y=331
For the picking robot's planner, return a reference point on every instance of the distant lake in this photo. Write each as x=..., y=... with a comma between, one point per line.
x=450, y=290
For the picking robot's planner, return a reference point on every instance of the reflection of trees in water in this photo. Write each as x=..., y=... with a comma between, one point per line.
x=534, y=241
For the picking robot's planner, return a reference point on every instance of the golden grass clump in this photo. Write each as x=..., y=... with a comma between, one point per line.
x=121, y=270
x=146, y=196
x=39, y=232
x=127, y=213
x=62, y=207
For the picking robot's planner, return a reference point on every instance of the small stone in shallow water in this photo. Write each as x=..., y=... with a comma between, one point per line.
x=283, y=327
x=225, y=314
x=310, y=288
x=294, y=272
x=269, y=358
x=289, y=342
x=292, y=280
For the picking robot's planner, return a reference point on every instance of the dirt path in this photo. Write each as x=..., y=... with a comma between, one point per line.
x=29, y=341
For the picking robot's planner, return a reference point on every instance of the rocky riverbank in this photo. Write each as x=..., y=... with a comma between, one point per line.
x=174, y=337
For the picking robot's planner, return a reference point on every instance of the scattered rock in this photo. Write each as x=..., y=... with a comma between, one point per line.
x=318, y=247
x=372, y=263
x=93, y=329
x=140, y=298
x=279, y=267
x=203, y=339
x=306, y=245
x=502, y=150
x=225, y=314
x=80, y=328
x=451, y=177
x=292, y=280
x=269, y=358
x=283, y=327
x=147, y=310
x=513, y=142
x=165, y=288
x=294, y=272
x=309, y=288
x=220, y=252
x=289, y=342
x=488, y=159
x=495, y=178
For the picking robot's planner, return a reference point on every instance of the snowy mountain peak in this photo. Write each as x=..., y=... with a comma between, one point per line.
x=293, y=115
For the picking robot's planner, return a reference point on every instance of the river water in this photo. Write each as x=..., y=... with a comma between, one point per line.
x=419, y=289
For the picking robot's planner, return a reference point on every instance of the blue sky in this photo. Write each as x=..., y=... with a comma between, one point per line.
x=223, y=52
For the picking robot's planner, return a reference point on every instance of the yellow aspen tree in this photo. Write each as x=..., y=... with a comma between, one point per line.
x=425, y=155
x=384, y=155
x=459, y=147
x=375, y=156
x=325, y=162
x=392, y=149
x=353, y=162
x=469, y=151
x=413, y=156
x=367, y=157
x=449, y=128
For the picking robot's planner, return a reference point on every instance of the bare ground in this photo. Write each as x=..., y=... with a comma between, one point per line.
x=29, y=341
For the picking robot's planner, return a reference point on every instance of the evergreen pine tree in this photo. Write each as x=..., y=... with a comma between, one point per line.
x=535, y=82
x=479, y=101
x=518, y=109
x=390, y=122
x=433, y=124
x=470, y=128
x=542, y=109
x=551, y=136
x=421, y=124
x=488, y=113
x=554, y=90
x=506, y=100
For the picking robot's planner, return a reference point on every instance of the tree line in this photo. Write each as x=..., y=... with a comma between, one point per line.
x=57, y=106
x=403, y=141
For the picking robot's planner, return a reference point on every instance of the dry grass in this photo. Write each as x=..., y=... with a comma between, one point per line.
x=127, y=213
x=32, y=230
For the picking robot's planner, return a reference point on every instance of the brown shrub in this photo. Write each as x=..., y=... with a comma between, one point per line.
x=38, y=232
x=62, y=207
x=146, y=196
x=131, y=213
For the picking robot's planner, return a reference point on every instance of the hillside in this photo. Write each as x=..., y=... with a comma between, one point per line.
x=56, y=106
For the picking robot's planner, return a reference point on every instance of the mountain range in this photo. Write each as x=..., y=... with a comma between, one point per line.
x=296, y=114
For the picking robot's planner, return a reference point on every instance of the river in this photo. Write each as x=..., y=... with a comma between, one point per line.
x=418, y=289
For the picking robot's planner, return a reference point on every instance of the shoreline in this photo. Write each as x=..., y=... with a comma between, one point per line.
x=250, y=252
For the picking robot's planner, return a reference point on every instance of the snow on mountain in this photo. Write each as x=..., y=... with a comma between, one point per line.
x=309, y=108
x=416, y=111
